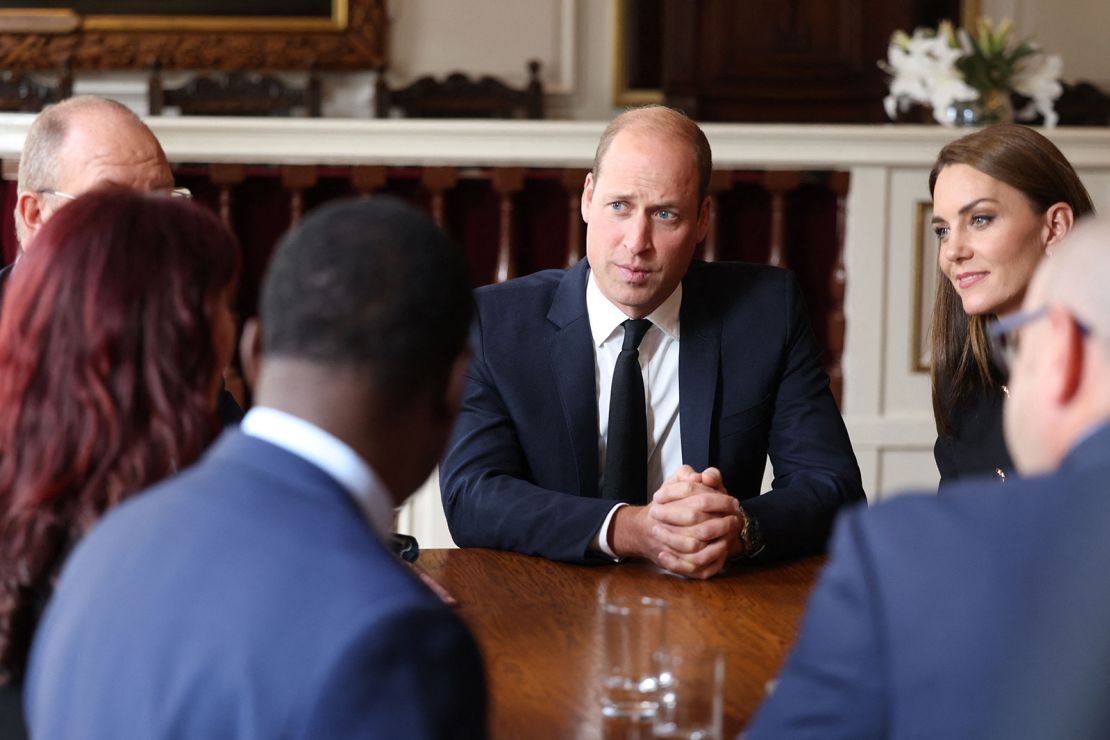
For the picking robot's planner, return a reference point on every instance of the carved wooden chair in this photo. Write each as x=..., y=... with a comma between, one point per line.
x=458, y=96
x=19, y=92
x=234, y=94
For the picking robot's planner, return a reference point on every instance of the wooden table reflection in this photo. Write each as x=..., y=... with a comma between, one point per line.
x=538, y=625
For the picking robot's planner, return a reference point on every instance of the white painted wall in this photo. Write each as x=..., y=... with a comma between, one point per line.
x=1074, y=29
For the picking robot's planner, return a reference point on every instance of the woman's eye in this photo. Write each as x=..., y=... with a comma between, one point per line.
x=940, y=231
x=981, y=220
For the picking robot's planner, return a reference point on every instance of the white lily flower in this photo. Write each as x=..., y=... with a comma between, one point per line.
x=1038, y=77
x=928, y=68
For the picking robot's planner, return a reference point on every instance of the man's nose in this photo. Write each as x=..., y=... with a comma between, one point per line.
x=637, y=235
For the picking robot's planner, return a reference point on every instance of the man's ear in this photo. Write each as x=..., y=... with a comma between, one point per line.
x=1068, y=349
x=31, y=214
x=1058, y=220
x=587, y=196
x=250, y=351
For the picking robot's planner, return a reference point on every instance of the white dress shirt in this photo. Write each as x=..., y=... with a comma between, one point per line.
x=659, y=365
x=330, y=454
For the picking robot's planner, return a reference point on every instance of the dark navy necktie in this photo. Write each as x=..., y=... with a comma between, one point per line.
x=626, y=445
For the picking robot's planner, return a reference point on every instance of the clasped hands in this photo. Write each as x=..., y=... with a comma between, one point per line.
x=691, y=526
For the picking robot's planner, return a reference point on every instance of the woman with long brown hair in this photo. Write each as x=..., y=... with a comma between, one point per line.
x=1003, y=197
x=113, y=335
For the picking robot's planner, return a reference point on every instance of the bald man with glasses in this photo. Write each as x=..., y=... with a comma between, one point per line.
x=76, y=146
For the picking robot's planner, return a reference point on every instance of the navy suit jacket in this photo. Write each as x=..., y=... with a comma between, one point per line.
x=521, y=472
x=248, y=598
x=925, y=608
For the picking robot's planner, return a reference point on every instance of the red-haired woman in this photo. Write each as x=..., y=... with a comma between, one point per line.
x=115, y=329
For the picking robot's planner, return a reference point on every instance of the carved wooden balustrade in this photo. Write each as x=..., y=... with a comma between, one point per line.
x=515, y=220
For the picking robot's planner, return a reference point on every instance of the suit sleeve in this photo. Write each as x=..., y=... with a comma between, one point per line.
x=832, y=685
x=417, y=674
x=489, y=495
x=814, y=465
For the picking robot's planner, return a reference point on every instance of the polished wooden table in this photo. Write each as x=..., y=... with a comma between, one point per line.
x=538, y=624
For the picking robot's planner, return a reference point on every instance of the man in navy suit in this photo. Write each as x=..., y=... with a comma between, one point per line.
x=957, y=616
x=255, y=594
x=730, y=371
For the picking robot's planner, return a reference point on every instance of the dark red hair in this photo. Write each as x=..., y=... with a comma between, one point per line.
x=107, y=359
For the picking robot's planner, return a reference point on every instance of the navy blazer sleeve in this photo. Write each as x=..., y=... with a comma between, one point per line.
x=489, y=495
x=814, y=465
x=832, y=685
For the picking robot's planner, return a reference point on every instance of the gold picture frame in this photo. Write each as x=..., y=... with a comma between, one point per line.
x=351, y=35
x=623, y=94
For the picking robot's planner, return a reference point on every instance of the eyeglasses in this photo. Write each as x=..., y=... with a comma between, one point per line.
x=1005, y=336
x=174, y=193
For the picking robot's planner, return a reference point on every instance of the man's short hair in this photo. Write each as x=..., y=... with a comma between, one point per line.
x=667, y=123
x=371, y=285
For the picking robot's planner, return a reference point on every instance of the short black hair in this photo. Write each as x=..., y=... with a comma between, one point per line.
x=369, y=284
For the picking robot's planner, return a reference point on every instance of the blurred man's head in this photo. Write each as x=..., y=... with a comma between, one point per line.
x=77, y=145
x=1059, y=381
x=364, y=318
x=645, y=206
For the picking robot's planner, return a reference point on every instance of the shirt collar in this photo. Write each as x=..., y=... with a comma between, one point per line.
x=606, y=317
x=330, y=454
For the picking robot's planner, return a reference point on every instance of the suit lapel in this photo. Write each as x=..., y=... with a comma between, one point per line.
x=572, y=361
x=699, y=352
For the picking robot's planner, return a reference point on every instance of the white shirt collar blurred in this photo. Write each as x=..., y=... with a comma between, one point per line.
x=330, y=454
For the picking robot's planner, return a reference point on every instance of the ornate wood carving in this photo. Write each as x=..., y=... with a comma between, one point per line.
x=778, y=184
x=459, y=96
x=437, y=181
x=235, y=94
x=297, y=178
x=838, y=184
x=506, y=182
x=719, y=181
x=573, y=181
x=361, y=45
x=20, y=91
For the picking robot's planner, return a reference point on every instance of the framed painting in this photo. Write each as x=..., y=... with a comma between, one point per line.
x=194, y=34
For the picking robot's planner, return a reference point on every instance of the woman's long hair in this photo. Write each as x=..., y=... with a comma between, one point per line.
x=1028, y=162
x=107, y=364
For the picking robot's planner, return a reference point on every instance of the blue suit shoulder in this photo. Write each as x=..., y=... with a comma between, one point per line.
x=728, y=283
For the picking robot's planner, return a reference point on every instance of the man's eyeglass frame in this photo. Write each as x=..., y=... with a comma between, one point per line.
x=1004, y=335
x=174, y=193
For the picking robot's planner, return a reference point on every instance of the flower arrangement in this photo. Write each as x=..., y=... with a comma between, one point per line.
x=968, y=78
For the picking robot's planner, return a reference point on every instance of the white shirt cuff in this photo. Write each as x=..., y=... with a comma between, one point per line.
x=603, y=533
